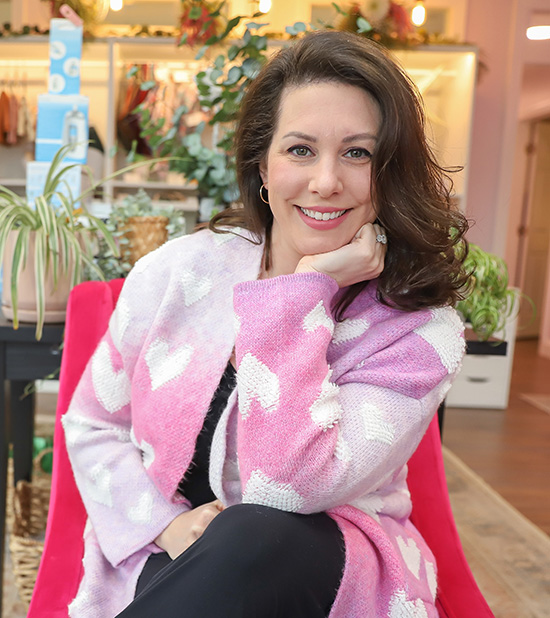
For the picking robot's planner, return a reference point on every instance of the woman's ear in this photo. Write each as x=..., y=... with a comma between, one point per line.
x=263, y=171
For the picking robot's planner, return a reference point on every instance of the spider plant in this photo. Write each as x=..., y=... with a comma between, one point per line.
x=490, y=301
x=64, y=234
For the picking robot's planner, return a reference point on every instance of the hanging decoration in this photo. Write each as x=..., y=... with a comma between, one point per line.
x=198, y=22
x=92, y=12
x=385, y=21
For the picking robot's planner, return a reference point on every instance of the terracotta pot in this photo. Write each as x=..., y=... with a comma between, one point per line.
x=145, y=234
x=55, y=297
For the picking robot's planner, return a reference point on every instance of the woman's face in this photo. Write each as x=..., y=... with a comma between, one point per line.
x=318, y=170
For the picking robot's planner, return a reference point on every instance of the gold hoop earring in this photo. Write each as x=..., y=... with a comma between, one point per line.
x=265, y=201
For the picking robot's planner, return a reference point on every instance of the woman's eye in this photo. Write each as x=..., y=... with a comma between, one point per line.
x=358, y=153
x=300, y=151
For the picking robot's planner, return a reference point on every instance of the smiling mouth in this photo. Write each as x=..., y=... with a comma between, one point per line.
x=322, y=216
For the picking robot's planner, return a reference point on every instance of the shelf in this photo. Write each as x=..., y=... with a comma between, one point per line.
x=154, y=184
x=13, y=182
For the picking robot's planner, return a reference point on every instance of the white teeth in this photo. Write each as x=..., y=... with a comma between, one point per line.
x=322, y=216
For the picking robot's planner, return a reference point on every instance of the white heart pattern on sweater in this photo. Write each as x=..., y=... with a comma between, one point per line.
x=371, y=504
x=75, y=426
x=411, y=555
x=432, y=578
x=119, y=322
x=112, y=388
x=256, y=381
x=342, y=449
x=99, y=485
x=142, y=512
x=401, y=607
x=318, y=317
x=165, y=365
x=326, y=410
x=79, y=602
x=436, y=333
x=349, y=329
x=376, y=428
x=260, y=489
x=194, y=287
x=147, y=451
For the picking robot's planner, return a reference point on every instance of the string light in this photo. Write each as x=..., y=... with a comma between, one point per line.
x=116, y=5
x=418, y=16
x=265, y=6
x=538, y=33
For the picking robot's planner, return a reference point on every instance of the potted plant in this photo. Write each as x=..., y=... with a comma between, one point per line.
x=490, y=302
x=489, y=311
x=137, y=226
x=46, y=247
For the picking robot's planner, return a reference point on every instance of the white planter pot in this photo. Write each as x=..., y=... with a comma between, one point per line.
x=56, y=296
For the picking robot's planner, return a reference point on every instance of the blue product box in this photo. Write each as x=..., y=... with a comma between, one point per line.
x=62, y=119
x=65, y=57
x=37, y=172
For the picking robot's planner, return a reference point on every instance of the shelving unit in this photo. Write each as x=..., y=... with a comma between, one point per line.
x=445, y=75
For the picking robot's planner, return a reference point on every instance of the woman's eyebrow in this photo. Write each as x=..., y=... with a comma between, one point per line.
x=299, y=135
x=359, y=136
x=346, y=140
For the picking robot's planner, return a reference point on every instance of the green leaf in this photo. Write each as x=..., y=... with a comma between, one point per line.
x=148, y=85
x=252, y=25
x=201, y=52
x=18, y=258
x=261, y=43
x=195, y=12
x=339, y=10
x=215, y=74
x=233, y=76
x=232, y=52
x=363, y=25
x=230, y=25
x=218, y=63
x=250, y=67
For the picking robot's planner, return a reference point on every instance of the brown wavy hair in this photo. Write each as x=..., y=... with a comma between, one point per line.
x=411, y=192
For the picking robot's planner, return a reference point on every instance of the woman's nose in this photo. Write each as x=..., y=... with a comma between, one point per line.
x=326, y=179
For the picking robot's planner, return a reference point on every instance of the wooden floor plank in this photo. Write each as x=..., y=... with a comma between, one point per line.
x=510, y=449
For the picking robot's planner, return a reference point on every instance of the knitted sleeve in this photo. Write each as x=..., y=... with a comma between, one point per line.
x=310, y=436
x=125, y=508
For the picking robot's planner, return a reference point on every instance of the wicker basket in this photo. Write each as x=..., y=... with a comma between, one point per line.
x=145, y=234
x=29, y=512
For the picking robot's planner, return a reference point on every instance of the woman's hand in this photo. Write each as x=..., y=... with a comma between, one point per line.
x=183, y=531
x=360, y=260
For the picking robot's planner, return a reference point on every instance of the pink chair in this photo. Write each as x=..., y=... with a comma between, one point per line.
x=90, y=306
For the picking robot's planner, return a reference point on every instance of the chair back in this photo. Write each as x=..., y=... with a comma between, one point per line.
x=458, y=594
x=88, y=311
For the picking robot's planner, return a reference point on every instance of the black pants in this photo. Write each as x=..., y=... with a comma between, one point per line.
x=251, y=562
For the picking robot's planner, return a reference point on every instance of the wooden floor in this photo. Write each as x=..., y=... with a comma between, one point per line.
x=510, y=449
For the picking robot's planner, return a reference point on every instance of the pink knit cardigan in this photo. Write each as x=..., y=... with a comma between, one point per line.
x=324, y=417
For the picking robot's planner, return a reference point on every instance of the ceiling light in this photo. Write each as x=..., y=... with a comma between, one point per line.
x=538, y=33
x=539, y=26
x=116, y=5
x=418, y=16
x=265, y=6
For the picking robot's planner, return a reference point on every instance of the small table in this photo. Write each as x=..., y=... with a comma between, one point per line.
x=22, y=360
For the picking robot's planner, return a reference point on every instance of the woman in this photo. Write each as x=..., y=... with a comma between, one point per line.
x=331, y=299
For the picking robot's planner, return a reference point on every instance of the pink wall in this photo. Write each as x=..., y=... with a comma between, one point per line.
x=498, y=27
x=489, y=25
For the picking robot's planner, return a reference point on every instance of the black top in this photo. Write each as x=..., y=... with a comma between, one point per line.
x=195, y=485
